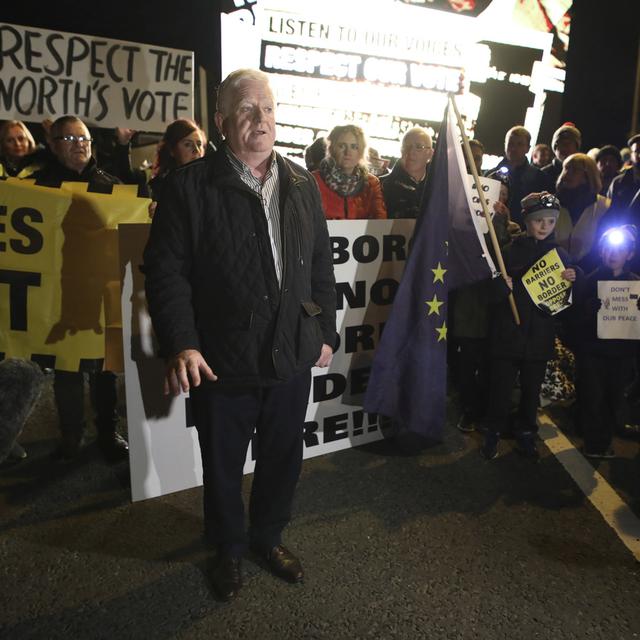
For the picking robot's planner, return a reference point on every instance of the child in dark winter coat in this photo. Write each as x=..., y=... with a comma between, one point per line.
x=604, y=367
x=523, y=348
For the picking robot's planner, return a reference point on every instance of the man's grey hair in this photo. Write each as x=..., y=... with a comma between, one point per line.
x=229, y=86
x=414, y=131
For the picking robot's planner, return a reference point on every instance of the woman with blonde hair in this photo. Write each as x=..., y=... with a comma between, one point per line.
x=578, y=189
x=19, y=154
x=349, y=191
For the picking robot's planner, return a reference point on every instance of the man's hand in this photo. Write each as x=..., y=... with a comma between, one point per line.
x=326, y=355
x=187, y=364
x=124, y=135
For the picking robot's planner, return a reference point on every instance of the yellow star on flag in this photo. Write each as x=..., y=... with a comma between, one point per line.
x=438, y=273
x=442, y=332
x=434, y=305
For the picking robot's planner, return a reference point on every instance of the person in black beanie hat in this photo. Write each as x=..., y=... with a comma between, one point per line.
x=609, y=163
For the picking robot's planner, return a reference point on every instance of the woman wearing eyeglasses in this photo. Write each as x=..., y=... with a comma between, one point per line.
x=182, y=142
x=347, y=188
x=20, y=157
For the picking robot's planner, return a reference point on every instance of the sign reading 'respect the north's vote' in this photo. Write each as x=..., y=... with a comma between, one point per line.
x=105, y=82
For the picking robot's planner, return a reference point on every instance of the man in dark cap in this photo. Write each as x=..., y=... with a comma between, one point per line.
x=566, y=141
x=609, y=163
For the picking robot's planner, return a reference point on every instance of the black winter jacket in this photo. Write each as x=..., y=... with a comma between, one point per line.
x=533, y=339
x=402, y=194
x=211, y=283
x=525, y=179
x=54, y=174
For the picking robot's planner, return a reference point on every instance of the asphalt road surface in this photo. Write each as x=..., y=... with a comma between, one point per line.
x=438, y=545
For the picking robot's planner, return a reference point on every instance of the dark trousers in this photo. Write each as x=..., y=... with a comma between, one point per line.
x=473, y=376
x=68, y=387
x=602, y=405
x=503, y=377
x=225, y=421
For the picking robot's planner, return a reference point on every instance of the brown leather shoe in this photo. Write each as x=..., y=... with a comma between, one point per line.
x=284, y=564
x=226, y=577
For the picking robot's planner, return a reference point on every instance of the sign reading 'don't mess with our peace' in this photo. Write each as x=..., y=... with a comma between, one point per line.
x=619, y=317
x=105, y=82
x=547, y=288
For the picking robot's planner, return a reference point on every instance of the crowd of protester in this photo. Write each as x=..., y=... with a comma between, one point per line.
x=253, y=209
x=588, y=195
x=587, y=206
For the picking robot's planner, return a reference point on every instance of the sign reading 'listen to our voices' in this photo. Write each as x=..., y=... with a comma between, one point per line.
x=107, y=83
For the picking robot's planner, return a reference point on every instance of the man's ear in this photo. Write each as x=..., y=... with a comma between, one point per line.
x=218, y=118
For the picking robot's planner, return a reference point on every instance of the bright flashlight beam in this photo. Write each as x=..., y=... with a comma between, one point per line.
x=616, y=238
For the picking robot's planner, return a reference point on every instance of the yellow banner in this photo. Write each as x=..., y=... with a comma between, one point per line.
x=59, y=272
x=548, y=290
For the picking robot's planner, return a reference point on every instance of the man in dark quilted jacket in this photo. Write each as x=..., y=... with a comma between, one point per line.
x=241, y=292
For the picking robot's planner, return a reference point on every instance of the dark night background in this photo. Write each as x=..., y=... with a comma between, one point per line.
x=601, y=63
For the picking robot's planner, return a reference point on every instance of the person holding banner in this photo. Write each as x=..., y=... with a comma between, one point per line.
x=72, y=161
x=605, y=367
x=349, y=191
x=241, y=292
x=20, y=157
x=523, y=348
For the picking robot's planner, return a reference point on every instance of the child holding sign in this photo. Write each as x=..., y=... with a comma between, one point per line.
x=523, y=348
x=604, y=366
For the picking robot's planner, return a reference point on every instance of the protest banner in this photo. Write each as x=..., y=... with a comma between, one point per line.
x=60, y=278
x=619, y=317
x=368, y=258
x=107, y=83
x=548, y=290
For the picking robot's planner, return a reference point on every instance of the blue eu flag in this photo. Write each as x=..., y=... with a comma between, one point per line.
x=408, y=375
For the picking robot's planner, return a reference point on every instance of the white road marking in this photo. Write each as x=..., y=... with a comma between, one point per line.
x=603, y=497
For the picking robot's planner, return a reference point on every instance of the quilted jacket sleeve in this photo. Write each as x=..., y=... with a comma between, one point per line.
x=168, y=258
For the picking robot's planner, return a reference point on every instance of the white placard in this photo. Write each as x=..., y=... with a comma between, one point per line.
x=369, y=258
x=618, y=317
x=105, y=82
x=491, y=194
